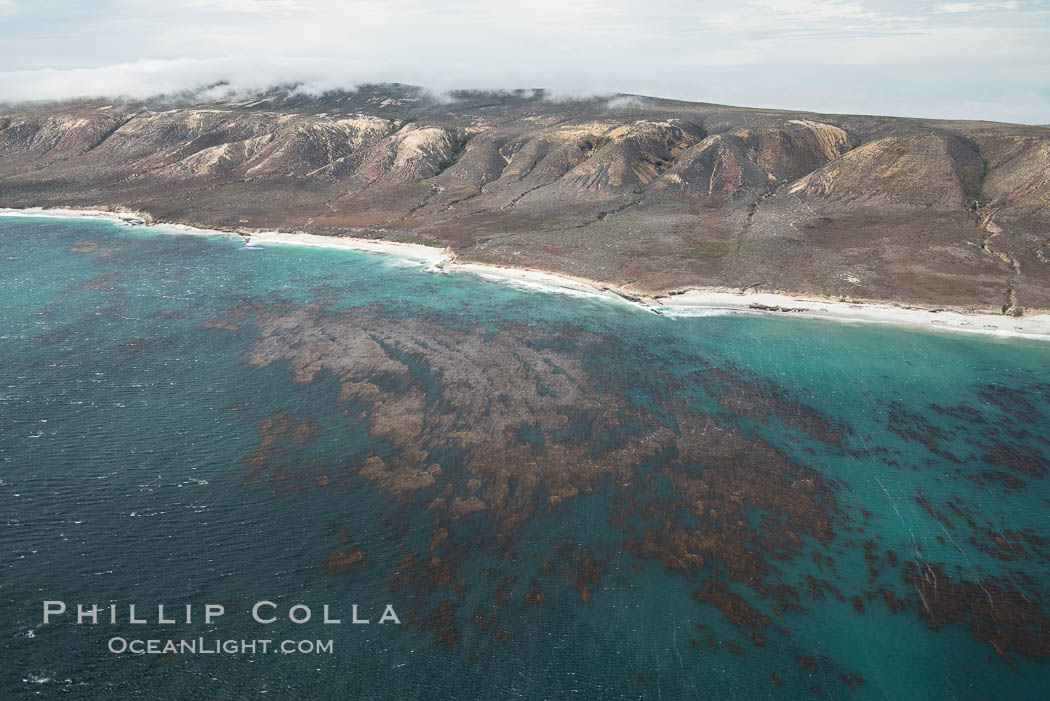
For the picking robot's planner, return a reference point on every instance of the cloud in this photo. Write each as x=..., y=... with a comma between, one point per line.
x=889, y=54
x=623, y=102
x=963, y=7
x=146, y=78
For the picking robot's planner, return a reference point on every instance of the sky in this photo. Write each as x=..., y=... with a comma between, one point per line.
x=947, y=59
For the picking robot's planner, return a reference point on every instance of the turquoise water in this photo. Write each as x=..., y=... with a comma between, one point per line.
x=559, y=495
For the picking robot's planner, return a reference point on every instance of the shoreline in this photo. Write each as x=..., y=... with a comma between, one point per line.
x=411, y=251
x=692, y=302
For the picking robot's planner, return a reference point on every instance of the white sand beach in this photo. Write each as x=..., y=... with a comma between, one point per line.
x=702, y=302
x=989, y=322
x=694, y=302
x=71, y=213
x=412, y=251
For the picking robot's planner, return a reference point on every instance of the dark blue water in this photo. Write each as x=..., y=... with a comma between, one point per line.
x=559, y=496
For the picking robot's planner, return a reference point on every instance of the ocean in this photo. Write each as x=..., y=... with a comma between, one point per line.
x=559, y=495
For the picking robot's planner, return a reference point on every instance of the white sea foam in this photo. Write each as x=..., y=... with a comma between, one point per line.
x=697, y=312
x=533, y=286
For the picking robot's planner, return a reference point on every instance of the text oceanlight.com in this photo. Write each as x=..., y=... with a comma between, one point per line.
x=201, y=646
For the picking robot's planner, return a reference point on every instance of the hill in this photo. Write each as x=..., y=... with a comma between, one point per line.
x=651, y=195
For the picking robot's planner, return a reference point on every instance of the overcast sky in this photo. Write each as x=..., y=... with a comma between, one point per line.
x=974, y=60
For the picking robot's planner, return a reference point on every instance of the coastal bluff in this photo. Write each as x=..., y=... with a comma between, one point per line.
x=648, y=195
